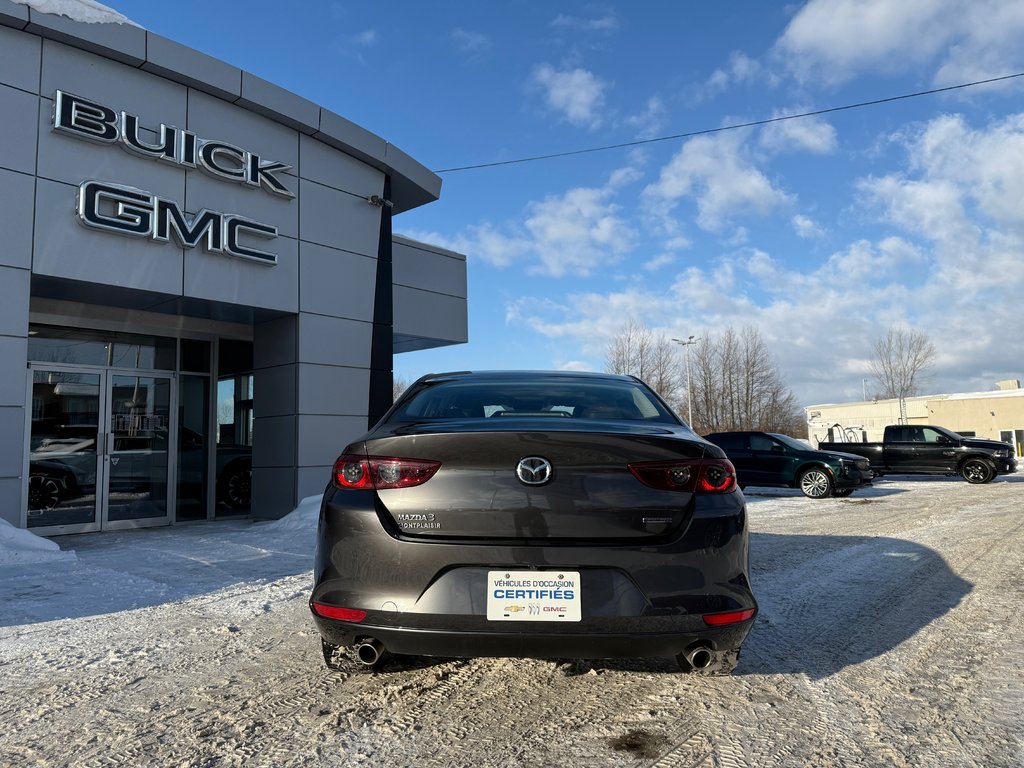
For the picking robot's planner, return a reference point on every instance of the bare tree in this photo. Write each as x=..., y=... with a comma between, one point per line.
x=902, y=360
x=737, y=386
x=652, y=358
x=398, y=386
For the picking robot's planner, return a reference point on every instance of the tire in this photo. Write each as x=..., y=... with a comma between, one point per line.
x=235, y=486
x=43, y=493
x=815, y=483
x=843, y=493
x=977, y=471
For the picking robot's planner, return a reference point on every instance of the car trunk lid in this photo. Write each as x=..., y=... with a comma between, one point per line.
x=590, y=493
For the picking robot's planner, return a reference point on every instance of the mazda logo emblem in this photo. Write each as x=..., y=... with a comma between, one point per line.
x=533, y=470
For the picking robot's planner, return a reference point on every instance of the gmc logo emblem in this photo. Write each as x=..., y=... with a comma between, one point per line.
x=136, y=213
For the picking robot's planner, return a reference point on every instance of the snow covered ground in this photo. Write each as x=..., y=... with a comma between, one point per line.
x=890, y=633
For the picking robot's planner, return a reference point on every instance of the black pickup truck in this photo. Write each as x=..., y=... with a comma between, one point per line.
x=921, y=449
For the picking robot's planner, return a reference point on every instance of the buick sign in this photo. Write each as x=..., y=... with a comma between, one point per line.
x=75, y=116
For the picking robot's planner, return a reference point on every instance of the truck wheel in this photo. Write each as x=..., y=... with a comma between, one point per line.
x=977, y=471
x=815, y=483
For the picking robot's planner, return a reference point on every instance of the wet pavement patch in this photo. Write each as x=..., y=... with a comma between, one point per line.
x=640, y=743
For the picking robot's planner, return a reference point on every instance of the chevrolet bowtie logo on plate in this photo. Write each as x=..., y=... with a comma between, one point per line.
x=533, y=470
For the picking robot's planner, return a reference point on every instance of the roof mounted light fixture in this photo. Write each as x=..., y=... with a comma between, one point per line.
x=379, y=201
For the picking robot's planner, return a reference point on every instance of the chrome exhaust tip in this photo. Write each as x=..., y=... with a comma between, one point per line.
x=369, y=652
x=700, y=657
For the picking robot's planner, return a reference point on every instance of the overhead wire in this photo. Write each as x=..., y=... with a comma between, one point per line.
x=731, y=127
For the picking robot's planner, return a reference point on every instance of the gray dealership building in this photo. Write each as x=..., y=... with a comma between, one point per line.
x=200, y=291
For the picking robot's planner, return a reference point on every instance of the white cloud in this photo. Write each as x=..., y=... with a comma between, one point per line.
x=606, y=23
x=471, y=42
x=576, y=365
x=805, y=227
x=576, y=232
x=807, y=134
x=960, y=181
x=651, y=120
x=367, y=38
x=662, y=260
x=741, y=69
x=714, y=171
x=815, y=322
x=987, y=164
x=481, y=241
x=961, y=195
x=578, y=94
x=955, y=200
x=865, y=262
x=990, y=43
x=929, y=208
x=832, y=41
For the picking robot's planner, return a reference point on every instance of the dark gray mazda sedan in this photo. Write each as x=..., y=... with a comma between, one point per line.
x=533, y=514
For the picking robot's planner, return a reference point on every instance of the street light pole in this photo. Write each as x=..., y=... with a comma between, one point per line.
x=690, y=341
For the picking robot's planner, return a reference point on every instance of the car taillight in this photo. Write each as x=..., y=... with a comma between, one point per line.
x=731, y=617
x=381, y=472
x=693, y=475
x=341, y=614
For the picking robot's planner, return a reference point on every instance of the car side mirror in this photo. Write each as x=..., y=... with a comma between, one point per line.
x=942, y=440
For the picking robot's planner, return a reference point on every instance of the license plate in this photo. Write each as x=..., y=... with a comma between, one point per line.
x=533, y=596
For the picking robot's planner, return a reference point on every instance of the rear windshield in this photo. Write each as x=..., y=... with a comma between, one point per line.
x=543, y=398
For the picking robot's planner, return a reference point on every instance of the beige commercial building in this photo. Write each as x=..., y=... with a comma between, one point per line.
x=996, y=415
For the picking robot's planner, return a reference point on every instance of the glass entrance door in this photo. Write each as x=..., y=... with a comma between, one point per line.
x=99, y=450
x=138, y=449
x=65, y=449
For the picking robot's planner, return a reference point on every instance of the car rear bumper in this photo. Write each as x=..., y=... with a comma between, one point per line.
x=639, y=599
x=536, y=640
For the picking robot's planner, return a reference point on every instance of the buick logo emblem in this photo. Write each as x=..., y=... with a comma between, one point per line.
x=533, y=470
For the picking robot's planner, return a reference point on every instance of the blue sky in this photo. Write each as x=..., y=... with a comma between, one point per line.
x=820, y=232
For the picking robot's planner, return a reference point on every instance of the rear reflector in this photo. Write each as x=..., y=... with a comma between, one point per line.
x=692, y=475
x=732, y=617
x=341, y=614
x=381, y=472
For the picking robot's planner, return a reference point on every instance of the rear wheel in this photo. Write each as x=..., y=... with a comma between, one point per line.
x=977, y=471
x=815, y=483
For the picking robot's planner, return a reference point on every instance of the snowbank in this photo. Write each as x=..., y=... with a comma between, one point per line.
x=19, y=546
x=302, y=518
x=86, y=11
